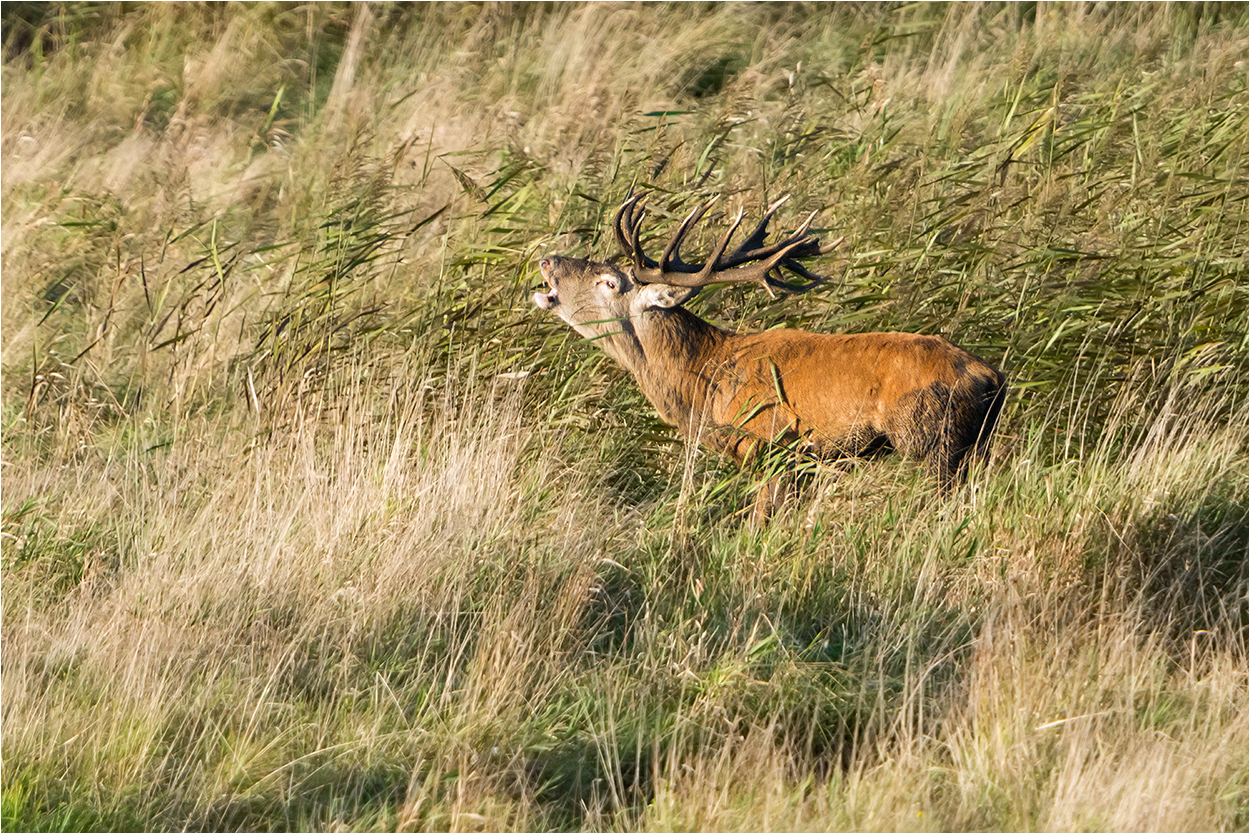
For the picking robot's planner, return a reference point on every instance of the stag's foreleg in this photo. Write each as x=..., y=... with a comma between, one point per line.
x=774, y=492
x=750, y=452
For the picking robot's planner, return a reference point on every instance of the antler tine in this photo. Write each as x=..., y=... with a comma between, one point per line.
x=755, y=240
x=805, y=225
x=813, y=280
x=785, y=198
x=635, y=237
x=753, y=249
x=712, y=271
x=672, y=252
x=831, y=245
x=625, y=214
x=714, y=264
x=759, y=272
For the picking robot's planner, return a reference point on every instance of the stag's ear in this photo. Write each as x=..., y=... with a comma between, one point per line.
x=663, y=296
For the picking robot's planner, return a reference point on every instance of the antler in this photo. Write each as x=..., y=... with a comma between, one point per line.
x=750, y=262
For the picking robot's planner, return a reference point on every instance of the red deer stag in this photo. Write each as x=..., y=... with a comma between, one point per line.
x=832, y=396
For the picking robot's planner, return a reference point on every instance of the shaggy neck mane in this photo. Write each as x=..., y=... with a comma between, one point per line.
x=667, y=351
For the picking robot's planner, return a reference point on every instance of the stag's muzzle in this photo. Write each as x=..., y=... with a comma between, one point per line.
x=547, y=300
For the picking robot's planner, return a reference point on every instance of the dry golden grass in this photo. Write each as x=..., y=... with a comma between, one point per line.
x=310, y=521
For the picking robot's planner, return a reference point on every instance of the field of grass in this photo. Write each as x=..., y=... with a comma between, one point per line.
x=312, y=521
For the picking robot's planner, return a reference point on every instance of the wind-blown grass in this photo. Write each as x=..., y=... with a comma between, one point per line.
x=311, y=521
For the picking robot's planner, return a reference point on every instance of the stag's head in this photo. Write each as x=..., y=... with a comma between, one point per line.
x=598, y=299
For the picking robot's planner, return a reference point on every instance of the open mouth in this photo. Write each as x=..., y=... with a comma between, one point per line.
x=547, y=300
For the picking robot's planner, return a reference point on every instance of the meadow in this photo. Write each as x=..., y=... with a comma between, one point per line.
x=312, y=521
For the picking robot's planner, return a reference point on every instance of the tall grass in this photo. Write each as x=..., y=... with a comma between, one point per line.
x=311, y=521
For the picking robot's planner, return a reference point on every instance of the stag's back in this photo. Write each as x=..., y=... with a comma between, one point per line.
x=845, y=394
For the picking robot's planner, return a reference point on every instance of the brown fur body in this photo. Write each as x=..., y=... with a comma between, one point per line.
x=842, y=395
x=833, y=396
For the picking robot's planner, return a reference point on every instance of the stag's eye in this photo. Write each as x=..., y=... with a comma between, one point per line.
x=607, y=281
